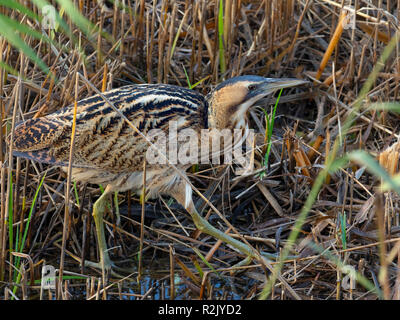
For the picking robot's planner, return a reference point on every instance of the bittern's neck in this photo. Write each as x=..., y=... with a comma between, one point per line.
x=221, y=115
x=224, y=118
x=208, y=115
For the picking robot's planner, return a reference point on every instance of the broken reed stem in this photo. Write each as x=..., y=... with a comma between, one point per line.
x=332, y=45
x=143, y=202
x=172, y=272
x=69, y=176
x=383, y=272
x=16, y=93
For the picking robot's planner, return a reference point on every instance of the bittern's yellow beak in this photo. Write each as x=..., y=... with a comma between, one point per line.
x=270, y=85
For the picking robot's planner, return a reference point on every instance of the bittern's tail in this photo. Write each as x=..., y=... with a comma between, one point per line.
x=39, y=156
x=36, y=134
x=33, y=138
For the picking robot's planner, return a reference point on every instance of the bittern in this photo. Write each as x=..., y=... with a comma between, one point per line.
x=108, y=151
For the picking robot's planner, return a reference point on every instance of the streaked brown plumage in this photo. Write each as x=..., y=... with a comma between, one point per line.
x=102, y=139
x=108, y=151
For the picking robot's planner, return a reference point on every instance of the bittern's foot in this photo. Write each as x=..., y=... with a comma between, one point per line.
x=236, y=268
x=118, y=221
x=246, y=261
x=111, y=268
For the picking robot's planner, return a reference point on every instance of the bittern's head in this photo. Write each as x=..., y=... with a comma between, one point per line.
x=230, y=101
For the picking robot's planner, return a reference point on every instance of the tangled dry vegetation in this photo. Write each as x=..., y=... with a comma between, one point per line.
x=351, y=223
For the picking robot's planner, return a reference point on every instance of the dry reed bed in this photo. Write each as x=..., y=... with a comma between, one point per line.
x=161, y=41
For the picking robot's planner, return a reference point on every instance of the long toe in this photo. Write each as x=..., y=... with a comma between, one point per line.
x=111, y=267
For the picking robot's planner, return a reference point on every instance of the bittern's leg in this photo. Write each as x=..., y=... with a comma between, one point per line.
x=182, y=194
x=105, y=262
x=98, y=212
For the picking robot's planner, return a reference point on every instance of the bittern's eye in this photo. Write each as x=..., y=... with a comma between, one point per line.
x=252, y=87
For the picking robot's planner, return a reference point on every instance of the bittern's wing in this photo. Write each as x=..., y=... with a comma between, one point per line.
x=33, y=137
x=104, y=140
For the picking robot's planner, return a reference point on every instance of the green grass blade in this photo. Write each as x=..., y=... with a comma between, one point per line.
x=77, y=18
x=386, y=106
x=8, y=68
x=271, y=122
x=177, y=36
x=187, y=78
x=385, y=186
x=199, y=82
x=374, y=167
x=342, y=218
x=65, y=277
x=10, y=217
x=206, y=262
x=19, y=7
x=17, y=26
x=222, y=62
x=64, y=26
x=76, y=193
x=22, y=245
x=30, y=213
x=12, y=37
x=84, y=24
